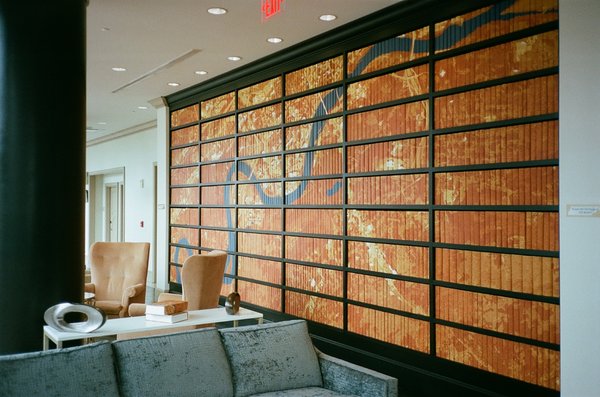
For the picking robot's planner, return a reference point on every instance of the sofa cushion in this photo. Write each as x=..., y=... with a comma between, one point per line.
x=182, y=364
x=304, y=392
x=75, y=371
x=271, y=357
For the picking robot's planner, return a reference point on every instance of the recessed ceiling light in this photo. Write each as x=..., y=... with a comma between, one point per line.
x=143, y=107
x=173, y=84
x=234, y=58
x=201, y=72
x=217, y=11
x=105, y=29
x=102, y=123
x=118, y=69
x=274, y=40
x=327, y=17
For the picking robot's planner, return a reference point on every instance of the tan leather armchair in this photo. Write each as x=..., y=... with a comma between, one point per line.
x=201, y=278
x=118, y=275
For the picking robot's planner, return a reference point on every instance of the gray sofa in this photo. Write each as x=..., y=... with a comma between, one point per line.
x=275, y=359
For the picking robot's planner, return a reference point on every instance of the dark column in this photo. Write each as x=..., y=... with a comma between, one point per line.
x=42, y=164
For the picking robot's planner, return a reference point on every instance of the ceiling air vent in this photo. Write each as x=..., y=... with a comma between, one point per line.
x=159, y=68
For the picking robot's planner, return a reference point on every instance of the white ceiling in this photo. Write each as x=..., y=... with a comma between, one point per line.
x=144, y=36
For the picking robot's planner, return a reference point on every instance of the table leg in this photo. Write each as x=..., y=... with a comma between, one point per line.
x=46, y=343
x=235, y=323
x=260, y=321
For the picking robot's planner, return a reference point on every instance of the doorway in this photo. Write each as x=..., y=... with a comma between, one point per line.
x=114, y=211
x=106, y=204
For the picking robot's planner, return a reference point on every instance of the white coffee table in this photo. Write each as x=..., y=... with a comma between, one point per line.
x=128, y=325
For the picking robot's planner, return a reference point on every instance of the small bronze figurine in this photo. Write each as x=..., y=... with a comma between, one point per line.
x=232, y=303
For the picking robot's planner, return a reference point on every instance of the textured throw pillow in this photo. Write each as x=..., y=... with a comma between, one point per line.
x=271, y=357
x=182, y=364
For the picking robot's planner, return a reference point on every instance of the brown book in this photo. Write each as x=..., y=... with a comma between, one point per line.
x=167, y=307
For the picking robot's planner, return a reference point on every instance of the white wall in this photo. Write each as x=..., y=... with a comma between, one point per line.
x=579, y=184
x=136, y=153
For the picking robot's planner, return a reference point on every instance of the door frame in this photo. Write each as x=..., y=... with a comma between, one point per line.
x=96, y=181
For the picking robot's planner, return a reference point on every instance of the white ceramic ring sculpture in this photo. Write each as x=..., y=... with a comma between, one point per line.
x=55, y=317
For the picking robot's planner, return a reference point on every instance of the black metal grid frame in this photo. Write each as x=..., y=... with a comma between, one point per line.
x=179, y=102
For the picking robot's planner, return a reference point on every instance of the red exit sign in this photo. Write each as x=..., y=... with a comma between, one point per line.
x=270, y=8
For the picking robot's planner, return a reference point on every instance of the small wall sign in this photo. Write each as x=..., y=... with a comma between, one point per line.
x=583, y=210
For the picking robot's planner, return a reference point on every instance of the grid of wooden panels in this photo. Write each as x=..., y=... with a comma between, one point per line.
x=406, y=191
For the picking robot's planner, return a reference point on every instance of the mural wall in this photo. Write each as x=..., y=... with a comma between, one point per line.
x=406, y=191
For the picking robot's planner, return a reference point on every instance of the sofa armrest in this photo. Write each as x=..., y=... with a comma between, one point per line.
x=347, y=378
x=168, y=296
x=128, y=293
x=137, y=309
x=132, y=292
x=89, y=287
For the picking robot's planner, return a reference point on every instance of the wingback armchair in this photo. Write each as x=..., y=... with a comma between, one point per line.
x=201, y=278
x=118, y=275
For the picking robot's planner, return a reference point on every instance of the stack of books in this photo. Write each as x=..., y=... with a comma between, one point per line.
x=167, y=311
